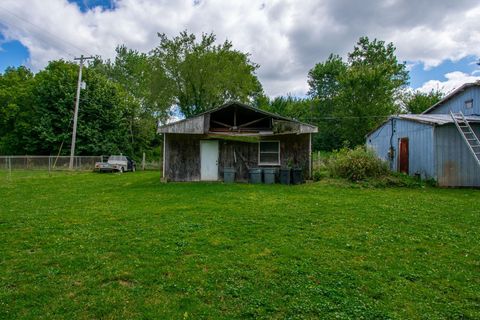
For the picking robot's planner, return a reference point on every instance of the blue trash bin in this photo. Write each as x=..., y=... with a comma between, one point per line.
x=269, y=175
x=229, y=175
x=255, y=175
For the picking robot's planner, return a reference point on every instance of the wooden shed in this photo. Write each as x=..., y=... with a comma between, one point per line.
x=236, y=136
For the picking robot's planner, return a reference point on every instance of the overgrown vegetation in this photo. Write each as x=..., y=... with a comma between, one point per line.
x=129, y=247
x=357, y=164
x=362, y=167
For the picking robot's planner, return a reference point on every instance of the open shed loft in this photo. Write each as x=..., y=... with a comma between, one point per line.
x=237, y=119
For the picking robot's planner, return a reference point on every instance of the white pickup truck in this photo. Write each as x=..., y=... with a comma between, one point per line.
x=116, y=164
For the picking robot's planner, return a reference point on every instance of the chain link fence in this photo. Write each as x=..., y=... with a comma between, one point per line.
x=49, y=163
x=54, y=163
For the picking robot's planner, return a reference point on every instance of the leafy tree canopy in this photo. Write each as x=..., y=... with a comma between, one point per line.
x=358, y=93
x=417, y=101
x=200, y=75
x=15, y=105
x=44, y=106
x=124, y=98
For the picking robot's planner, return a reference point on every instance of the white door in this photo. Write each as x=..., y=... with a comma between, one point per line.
x=209, y=160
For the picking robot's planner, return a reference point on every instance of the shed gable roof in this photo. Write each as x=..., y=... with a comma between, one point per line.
x=199, y=124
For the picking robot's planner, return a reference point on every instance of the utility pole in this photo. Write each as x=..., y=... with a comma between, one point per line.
x=75, y=115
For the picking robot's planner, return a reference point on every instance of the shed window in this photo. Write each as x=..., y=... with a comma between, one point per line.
x=469, y=104
x=269, y=153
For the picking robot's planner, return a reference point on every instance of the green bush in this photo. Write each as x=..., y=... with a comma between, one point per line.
x=320, y=174
x=356, y=164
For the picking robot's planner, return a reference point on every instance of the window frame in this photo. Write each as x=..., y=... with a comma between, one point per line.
x=269, y=163
x=468, y=104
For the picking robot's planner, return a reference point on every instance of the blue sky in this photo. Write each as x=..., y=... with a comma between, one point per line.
x=14, y=53
x=85, y=5
x=419, y=75
x=285, y=37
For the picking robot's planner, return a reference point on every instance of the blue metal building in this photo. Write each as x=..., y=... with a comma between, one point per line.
x=431, y=145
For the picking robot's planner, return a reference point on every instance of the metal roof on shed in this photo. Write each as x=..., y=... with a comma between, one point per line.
x=430, y=119
x=437, y=119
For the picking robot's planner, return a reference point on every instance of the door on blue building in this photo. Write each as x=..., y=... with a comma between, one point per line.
x=403, y=155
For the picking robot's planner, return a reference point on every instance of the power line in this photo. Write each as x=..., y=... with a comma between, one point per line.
x=399, y=132
x=52, y=35
x=348, y=117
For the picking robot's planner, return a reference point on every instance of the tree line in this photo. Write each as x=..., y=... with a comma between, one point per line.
x=127, y=96
x=349, y=98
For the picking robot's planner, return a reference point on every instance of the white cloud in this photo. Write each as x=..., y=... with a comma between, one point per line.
x=454, y=80
x=286, y=37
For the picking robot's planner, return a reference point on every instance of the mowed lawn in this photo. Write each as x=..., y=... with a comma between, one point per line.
x=111, y=246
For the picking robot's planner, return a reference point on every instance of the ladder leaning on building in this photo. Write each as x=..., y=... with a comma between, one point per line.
x=467, y=134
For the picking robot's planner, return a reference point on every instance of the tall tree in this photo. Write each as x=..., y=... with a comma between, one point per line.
x=325, y=84
x=292, y=107
x=15, y=108
x=200, y=75
x=361, y=92
x=130, y=70
x=102, y=128
x=417, y=101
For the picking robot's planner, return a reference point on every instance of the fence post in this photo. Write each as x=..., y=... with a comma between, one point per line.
x=9, y=168
x=143, y=162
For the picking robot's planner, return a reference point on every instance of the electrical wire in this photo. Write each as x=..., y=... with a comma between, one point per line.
x=348, y=117
x=52, y=35
x=397, y=132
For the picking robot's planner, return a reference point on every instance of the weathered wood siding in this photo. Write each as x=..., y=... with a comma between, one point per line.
x=183, y=155
x=195, y=125
x=294, y=150
x=246, y=155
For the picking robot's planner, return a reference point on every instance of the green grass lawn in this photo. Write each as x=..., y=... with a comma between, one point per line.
x=110, y=246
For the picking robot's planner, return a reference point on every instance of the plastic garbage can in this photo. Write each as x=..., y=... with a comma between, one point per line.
x=285, y=175
x=229, y=175
x=297, y=176
x=255, y=175
x=269, y=175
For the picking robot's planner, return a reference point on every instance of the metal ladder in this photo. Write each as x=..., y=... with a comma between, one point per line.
x=468, y=134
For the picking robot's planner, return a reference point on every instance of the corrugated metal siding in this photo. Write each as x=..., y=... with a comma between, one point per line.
x=457, y=103
x=455, y=163
x=379, y=141
x=421, y=145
